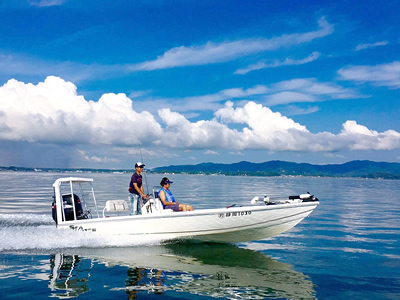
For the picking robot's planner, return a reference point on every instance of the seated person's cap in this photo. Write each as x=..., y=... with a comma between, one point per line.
x=165, y=180
x=139, y=165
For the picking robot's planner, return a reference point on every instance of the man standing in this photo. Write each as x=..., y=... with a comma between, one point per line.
x=136, y=190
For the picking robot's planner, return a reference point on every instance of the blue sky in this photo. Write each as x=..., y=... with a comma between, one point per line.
x=90, y=83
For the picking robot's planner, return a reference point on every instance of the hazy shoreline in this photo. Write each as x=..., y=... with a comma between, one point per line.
x=352, y=169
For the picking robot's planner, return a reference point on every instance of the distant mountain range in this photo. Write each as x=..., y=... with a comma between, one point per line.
x=356, y=168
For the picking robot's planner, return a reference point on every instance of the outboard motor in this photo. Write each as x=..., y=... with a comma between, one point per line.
x=68, y=208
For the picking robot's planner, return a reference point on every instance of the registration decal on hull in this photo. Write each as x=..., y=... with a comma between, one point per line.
x=235, y=214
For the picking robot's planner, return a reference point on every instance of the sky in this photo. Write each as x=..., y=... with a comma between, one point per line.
x=104, y=84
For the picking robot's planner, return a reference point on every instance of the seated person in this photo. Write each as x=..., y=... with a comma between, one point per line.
x=168, y=200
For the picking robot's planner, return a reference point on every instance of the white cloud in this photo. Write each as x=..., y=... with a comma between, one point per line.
x=139, y=94
x=276, y=63
x=53, y=112
x=289, y=97
x=267, y=130
x=97, y=159
x=181, y=133
x=293, y=110
x=369, y=139
x=236, y=153
x=211, y=53
x=211, y=152
x=313, y=87
x=307, y=90
x=334, y=155
x=202, y=102
x=366, y=46
x=15, y=64
x=381, y=75
x=46, y=3
x=284, y=92
x=223, y=95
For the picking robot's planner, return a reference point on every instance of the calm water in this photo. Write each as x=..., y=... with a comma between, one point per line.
x=347, y=249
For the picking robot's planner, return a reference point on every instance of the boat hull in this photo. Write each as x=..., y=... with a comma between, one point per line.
x=218, y=225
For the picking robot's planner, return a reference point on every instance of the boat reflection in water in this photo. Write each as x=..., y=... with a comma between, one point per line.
x=70, y=275
x=205, y=269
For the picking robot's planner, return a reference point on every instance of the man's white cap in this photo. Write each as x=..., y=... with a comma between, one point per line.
x=139, y=165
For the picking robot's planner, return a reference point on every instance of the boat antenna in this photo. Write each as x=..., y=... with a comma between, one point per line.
x=145, y=177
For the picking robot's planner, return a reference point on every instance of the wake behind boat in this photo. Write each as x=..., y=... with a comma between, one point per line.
x=75, y=207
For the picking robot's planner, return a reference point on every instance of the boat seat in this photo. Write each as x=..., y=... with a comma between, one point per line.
x=159, y=205
x=116, y=205
x=154, y=206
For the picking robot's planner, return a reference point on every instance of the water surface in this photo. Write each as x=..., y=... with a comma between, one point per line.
x=347, y=249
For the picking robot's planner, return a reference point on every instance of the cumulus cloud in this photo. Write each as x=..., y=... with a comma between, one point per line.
x=212, y=53
x=264, y=129
x=381, y=75
x=180, y=132
x=276, y=63
x=368, y=139
x=53, y=112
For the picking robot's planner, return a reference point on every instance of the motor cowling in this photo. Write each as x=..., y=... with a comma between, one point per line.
x=68, y=208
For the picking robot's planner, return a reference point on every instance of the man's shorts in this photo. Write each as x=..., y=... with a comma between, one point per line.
x=174, y=207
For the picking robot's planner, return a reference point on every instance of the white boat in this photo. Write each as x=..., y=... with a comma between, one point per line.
x=266, y=217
